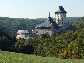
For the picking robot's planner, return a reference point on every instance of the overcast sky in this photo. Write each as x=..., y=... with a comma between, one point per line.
x=40, y=8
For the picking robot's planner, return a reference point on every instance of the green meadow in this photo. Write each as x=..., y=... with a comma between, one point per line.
x=12, y=57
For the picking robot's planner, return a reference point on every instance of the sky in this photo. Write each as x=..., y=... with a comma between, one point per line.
x=40, y=8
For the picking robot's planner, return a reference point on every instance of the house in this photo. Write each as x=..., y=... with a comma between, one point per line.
x=22, y=34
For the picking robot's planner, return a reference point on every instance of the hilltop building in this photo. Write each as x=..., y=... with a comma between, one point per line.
x=53, y=27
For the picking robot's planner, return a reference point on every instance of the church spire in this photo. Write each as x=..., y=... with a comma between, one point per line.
x=49, y=14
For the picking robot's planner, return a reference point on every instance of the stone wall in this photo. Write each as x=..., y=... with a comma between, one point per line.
x=43, y=31
x=62, y=28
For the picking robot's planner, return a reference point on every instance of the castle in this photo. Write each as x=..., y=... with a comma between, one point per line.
x=49, y=26
x=53, y=27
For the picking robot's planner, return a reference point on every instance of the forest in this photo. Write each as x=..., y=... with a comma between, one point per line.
x=12, y=25
x=64, y=45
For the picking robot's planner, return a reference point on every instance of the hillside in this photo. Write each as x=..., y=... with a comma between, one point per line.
x=11, y=57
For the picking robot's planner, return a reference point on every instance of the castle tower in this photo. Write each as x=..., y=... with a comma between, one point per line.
x=60, y=16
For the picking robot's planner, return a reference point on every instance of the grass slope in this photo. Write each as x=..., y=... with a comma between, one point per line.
x=11, y=57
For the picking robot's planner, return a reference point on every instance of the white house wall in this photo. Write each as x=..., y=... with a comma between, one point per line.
x=18, y=36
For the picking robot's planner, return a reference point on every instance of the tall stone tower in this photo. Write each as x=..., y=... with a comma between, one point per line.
x=60, y=16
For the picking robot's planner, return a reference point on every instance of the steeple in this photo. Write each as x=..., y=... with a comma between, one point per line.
x=49, y=14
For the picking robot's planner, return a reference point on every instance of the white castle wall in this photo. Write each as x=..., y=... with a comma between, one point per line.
x=60, y=19
x=52, y=31
x=43, y=31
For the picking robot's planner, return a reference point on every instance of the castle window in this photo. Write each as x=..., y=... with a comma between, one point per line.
x=43, y=31
x=65, y=15
x=36, y=31
x=26, y=35
x=58, y=22
x=62, y=19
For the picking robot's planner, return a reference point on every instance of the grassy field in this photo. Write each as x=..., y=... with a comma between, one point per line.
x=11, y=57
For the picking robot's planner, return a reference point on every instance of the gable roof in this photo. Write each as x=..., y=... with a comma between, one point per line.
x=60, y=10
x=22, y=31
x=53, y=23
x=47, y=24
